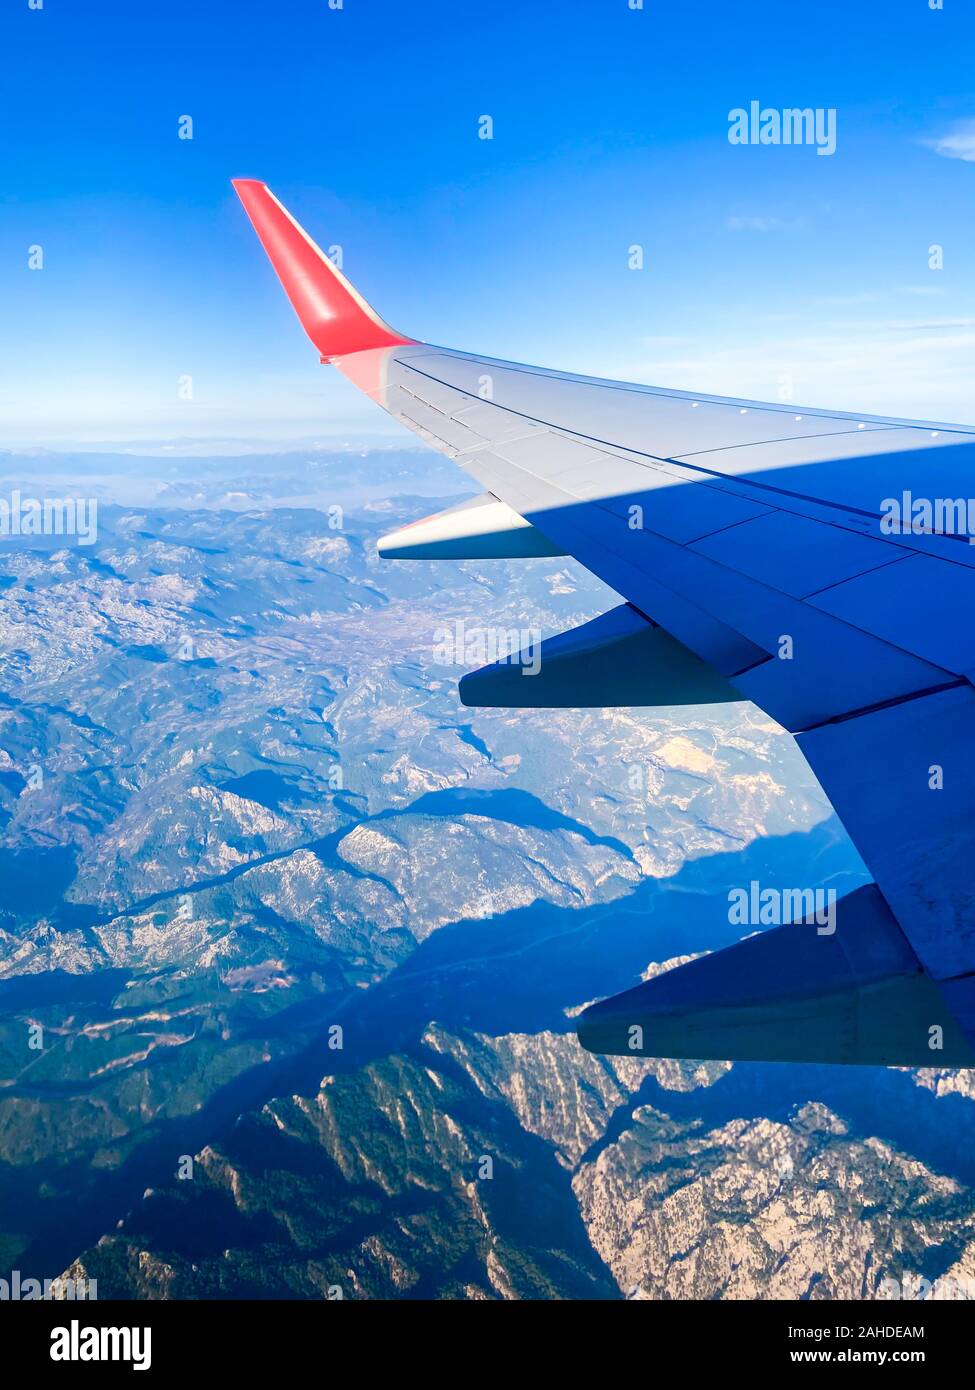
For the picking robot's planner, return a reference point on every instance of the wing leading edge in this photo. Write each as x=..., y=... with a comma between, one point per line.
x=759, y=538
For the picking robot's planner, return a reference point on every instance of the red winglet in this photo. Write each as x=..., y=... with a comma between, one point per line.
x=334, y=315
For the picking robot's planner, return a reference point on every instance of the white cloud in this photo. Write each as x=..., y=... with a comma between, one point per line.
x=922, y=372
x=846, y=301
x=919, y=326
x=756, y=224
x=920, y=289
x=957, y=144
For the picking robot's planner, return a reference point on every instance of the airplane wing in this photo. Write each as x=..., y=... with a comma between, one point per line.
x=816, y=563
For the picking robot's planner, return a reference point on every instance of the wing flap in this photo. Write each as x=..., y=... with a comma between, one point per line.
x=901, y=781
x=923, y=604
x=795, y=555
x=854, y=995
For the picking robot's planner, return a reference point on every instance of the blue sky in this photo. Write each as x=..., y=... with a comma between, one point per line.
x=766, y=269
